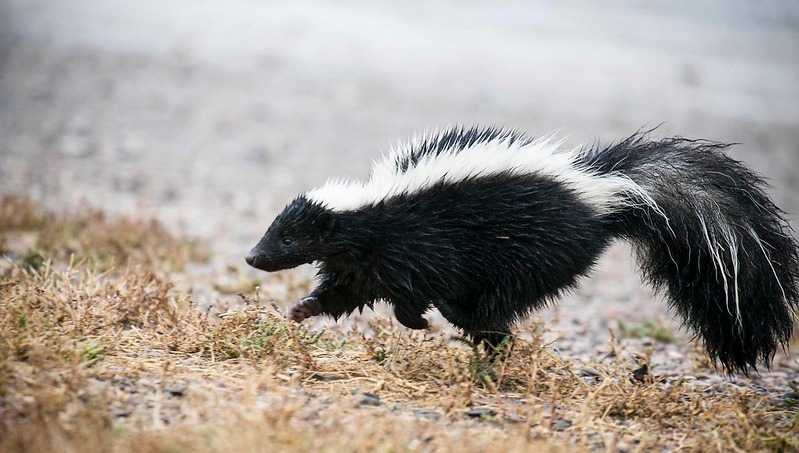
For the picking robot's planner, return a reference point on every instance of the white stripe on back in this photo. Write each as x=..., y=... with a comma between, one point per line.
x=604, y=192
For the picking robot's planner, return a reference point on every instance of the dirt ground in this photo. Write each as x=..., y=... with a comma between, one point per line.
x=210, y=117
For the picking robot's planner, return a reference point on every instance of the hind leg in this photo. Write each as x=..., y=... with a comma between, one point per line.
x=491, y=341
x=410, y=316
x=478, y=322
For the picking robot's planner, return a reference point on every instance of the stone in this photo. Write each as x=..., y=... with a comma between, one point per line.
x=369, y=399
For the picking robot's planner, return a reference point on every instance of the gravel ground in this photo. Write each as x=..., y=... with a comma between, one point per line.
x=210, y=117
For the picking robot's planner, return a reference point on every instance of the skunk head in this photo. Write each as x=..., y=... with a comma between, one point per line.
x=299, y=235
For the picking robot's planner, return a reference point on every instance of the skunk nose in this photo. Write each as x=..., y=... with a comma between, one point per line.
x=251, y=259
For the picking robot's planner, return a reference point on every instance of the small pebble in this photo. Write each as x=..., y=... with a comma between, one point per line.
x=479, y=412
x=588, y=372
x=121, y=412
x=641, y=373
x=561, y=424
x=175, y=389
x=369, y=399
x=327, y=376
x=427, y=414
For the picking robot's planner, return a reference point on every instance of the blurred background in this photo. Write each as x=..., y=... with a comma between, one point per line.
x=210, y=115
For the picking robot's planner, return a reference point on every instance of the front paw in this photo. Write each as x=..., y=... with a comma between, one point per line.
x=307, y=307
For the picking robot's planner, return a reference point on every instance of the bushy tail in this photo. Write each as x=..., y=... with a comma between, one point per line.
x=711, y=237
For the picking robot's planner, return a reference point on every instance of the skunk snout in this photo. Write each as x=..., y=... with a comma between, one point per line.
x=262, y=261
x=271, y=260
x=257, y=259
x=252, y=258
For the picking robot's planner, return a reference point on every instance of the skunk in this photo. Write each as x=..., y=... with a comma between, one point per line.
x=487, y=224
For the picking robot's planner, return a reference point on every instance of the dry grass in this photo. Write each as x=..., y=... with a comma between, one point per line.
x=90, y=238
x=99, y=352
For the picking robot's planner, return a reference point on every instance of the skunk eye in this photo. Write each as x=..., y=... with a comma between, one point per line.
x=286, y=241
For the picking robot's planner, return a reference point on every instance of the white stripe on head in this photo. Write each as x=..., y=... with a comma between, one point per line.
x=604, y=192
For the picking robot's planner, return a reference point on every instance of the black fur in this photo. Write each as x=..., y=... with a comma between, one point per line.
x=488, y=250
